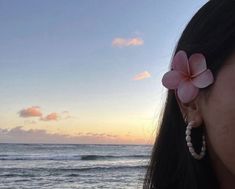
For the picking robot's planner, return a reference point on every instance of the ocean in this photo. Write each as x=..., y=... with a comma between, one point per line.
x=65, y=166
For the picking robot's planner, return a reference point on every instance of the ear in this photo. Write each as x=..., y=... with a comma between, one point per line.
x=191, y=110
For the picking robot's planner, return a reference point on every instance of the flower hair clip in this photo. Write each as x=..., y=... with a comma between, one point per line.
x=188, y=75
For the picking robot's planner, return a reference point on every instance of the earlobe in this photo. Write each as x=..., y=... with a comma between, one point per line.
x=190, y=112
x=198, y=119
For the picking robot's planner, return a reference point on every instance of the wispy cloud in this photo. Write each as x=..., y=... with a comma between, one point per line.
x=33, y=111
x=122, y=42
x=142, y=75
x=90, y=134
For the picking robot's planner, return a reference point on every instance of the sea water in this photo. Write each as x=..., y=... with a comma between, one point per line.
x=65, y=166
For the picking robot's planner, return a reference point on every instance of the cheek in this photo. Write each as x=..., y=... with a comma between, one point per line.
x=220, y=126
x=219, y=117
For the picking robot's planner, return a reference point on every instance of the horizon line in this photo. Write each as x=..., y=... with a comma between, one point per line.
x=79, y=144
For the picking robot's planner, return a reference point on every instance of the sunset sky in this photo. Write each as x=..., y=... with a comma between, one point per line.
x=86, y=71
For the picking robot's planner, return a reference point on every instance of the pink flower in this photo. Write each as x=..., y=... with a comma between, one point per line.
x=188, y=76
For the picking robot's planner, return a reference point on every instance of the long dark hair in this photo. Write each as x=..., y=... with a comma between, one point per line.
x=211, y=31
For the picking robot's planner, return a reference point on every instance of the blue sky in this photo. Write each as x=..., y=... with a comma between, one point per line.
x=62, y=56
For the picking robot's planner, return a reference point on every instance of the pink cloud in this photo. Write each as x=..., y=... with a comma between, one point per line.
x=122, y=42
x=142, y=75
x=33, y=111
x=51, y=117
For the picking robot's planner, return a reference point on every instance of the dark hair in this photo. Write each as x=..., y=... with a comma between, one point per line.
x=211, y=31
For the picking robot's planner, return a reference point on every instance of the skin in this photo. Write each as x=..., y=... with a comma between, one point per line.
x=216, y=112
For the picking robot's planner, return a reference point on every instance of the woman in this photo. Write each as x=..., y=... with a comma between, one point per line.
x=195, y=145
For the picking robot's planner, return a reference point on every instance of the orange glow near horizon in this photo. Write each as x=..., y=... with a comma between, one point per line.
x=122, y=130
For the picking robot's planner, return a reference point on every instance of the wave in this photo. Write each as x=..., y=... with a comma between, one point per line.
x=3, y=155
x=100, y=157
x=106, y=168
x=72, y=157
x=71, y=171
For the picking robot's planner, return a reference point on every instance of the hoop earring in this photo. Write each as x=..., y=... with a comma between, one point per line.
x=189, y=143
x=185, y=118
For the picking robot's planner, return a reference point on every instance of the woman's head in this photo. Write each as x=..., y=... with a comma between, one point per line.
x=211, y=32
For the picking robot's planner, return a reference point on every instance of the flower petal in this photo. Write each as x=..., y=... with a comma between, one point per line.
x=197, y=64
x=180, y=62
x=186, y=91
x=204, y=79
x=172, y=79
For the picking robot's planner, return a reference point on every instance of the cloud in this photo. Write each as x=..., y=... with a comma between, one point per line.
x=33, y=111
x=51, y=117
x=142, y=75
x=56, y=116
x=19, y=135
x=122, y=42
x=98, y=135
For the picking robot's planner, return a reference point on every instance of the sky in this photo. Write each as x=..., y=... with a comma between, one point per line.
x=86, y=71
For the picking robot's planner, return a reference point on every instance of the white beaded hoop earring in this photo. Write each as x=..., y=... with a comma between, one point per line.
x=189, y=143
x=185, y=118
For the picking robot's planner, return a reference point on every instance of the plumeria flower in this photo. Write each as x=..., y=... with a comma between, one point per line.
x=188, y=75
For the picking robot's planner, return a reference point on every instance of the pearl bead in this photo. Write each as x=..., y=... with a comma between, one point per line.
x=193, y=154
x=189, y=144
x=188, y=138
x=203, y=149
x=188, y=132
x=191, y=149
